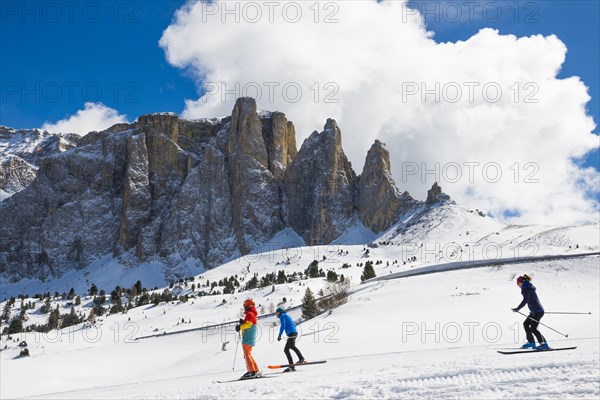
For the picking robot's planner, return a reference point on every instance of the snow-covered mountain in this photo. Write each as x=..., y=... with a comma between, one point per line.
x=21, y=152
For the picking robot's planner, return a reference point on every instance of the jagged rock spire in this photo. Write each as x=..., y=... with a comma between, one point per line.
x=435, y=195
x=379, y=201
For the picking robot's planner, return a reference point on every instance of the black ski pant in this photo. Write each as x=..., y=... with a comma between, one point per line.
x=291, y=345
x=531, y=327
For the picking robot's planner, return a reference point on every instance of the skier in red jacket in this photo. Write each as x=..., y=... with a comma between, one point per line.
x=247, y=329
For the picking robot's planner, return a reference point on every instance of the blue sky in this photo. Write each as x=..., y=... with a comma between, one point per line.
x=55, y=57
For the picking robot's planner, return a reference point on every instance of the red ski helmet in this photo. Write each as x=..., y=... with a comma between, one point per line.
x=248, y=303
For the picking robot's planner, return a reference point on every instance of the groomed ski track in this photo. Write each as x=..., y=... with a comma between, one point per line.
x=453, y=266
x=389, y=375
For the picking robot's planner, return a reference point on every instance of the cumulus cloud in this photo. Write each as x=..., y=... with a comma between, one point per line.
x=486, y=117
x=93, y=117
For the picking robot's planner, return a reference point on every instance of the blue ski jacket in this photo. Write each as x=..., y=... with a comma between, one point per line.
x=530, y=298
x=287, y=324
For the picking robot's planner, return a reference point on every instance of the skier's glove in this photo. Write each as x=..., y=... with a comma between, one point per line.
x=237, y=328
x=515, y=309
x=279, y=338
x=241, y=321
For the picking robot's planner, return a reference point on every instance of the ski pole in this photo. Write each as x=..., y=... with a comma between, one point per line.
x=535, y=320
x=236, y=351
x=567, y=312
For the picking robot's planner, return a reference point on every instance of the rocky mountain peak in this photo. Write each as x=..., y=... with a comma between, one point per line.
x=436, y=196
x=378, y=157
x=332, y=126
x=165, y=123
x=380, y=202
x=245, y=132
x=320, y=185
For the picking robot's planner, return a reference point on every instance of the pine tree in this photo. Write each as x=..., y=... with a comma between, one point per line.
x=281, y=278
x=53, y=319
x=93, y=290
x=138, y=287
x=6, y=312
x=313, y=270
x=309, y=305
x=252, y=283
x=71, y=294
x=117, y=307
x=70, y=319
x=47, y=307
x=92, y=317
x=368, y=271
x=16, y=325
x=332, y=276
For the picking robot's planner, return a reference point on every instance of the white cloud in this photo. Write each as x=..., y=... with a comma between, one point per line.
x=375, y=54
x=93, y=117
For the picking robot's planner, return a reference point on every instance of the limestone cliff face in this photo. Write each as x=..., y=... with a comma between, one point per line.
x=15, y=174
x=380, y=203
x=136, y=198
x=320, y=186
x=254, y=190
x=69, y=215
x=280, y=140
x=187, y=193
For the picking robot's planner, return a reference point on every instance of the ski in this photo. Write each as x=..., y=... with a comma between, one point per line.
x=247, y=379
x=295, y=365
x=536, y=351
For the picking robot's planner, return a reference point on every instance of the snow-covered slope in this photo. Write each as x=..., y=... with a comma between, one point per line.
x=441, y=234
x=425, y=336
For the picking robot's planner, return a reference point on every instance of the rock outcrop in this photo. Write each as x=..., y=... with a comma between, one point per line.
x=321, y=187
x=254, y=189
x=380, y=203
x=15, y=174
x=436, y=196
x=21, y=152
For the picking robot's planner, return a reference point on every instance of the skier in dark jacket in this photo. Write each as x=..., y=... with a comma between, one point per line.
x=536, y=312
x=287, y=325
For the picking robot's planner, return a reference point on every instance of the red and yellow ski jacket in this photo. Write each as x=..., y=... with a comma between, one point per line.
x=248, y=328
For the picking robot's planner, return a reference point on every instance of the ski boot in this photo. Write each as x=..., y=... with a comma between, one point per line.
x=528, y=345
x=543, y=346
x=289, y=369
x=247, y=375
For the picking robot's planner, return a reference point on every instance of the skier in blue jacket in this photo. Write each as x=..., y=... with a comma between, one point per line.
x=536, y=312
x=287, y=325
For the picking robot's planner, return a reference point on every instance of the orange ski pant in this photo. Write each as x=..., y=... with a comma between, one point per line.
x=250, y=363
